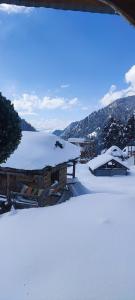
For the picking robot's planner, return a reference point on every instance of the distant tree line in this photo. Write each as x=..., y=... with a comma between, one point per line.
x=117, y=133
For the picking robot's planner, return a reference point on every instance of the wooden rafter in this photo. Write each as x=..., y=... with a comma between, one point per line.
x=96, y=6
x=123, y=7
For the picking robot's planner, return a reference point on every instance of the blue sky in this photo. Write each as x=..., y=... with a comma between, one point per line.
x=57, y=66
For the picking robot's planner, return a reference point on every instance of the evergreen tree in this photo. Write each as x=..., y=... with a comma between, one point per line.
x=113, y=134
x=10, y=129
x=130, y=132
x=122, y=135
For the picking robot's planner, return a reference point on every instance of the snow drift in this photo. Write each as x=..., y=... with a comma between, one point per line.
x=82, y=249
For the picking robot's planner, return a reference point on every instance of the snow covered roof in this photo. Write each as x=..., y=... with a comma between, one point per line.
x=76, y=140
x=103, y=159
x=129, y=148
x=37, y=150
x=115, y=151
x=92, y=134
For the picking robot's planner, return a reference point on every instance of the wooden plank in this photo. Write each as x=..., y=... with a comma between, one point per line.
x=8, y=186
x=122, y=7
x=94, y=6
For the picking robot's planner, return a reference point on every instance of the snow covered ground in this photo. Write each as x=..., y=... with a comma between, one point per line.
x=83, y=249
x=114, y=185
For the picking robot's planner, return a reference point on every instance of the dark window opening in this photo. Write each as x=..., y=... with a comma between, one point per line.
x=55, y=177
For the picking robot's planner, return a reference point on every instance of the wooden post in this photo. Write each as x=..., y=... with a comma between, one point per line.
x=74, y=163
x=128, y=152
x=8, y=185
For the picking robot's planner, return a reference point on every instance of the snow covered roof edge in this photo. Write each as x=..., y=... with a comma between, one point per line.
x=103, y=159
x=38, y=150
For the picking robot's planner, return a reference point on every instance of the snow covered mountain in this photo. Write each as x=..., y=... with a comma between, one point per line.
x=58, y=132
x=120, y=109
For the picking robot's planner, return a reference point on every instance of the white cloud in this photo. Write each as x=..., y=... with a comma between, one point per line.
x=114, y=93
x=26, y=104
x=64, y=86
x=71, y=103
x=31, y=103
x=130, y=76
x=85, y=108
x=10, y=9
x=52, y=103
x=49, y=125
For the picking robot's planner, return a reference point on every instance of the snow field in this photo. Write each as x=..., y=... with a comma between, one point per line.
x=82, y=249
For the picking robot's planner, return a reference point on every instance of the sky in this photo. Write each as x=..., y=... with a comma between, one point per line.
x=58, y=66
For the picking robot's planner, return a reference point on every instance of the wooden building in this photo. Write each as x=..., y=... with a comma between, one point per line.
x=129, y=150
x=87, y=148
x=107, y=165
x=38, y=168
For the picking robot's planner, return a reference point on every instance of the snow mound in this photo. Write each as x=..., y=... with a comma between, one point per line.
x=38, y=150
x=125, y=152
x=128, y=150
x=114, y=151
x=81, y=249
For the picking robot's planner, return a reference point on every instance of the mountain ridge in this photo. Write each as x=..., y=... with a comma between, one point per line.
x=120, y=109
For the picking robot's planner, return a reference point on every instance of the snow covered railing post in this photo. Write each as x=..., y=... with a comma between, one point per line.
x=72, y=163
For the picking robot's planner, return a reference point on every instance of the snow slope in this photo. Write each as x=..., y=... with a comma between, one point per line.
x=82, y=249
x=37, y=150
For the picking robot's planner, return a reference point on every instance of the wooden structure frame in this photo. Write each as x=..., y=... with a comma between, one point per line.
x=110, y=168
x=72, y=163
x=131, y=148
x=123, y=7
x=11, y=180
x=87, y=148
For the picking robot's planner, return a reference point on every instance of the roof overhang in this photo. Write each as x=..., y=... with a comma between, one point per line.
x=96, y=6
x=123, y=7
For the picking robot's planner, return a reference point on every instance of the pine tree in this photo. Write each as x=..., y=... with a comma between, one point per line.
x=122, y=135
x=10, y=129
x=130, y=133
x=113, y=134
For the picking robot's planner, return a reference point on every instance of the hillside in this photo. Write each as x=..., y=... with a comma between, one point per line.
x=25, y=126
x=121, y=109
x=58, y=132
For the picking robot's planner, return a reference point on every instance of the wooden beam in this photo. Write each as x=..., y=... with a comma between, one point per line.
x=70, y=174
x=95, y=6
x=125, y=8
x=74, y=164
x=8, y=186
